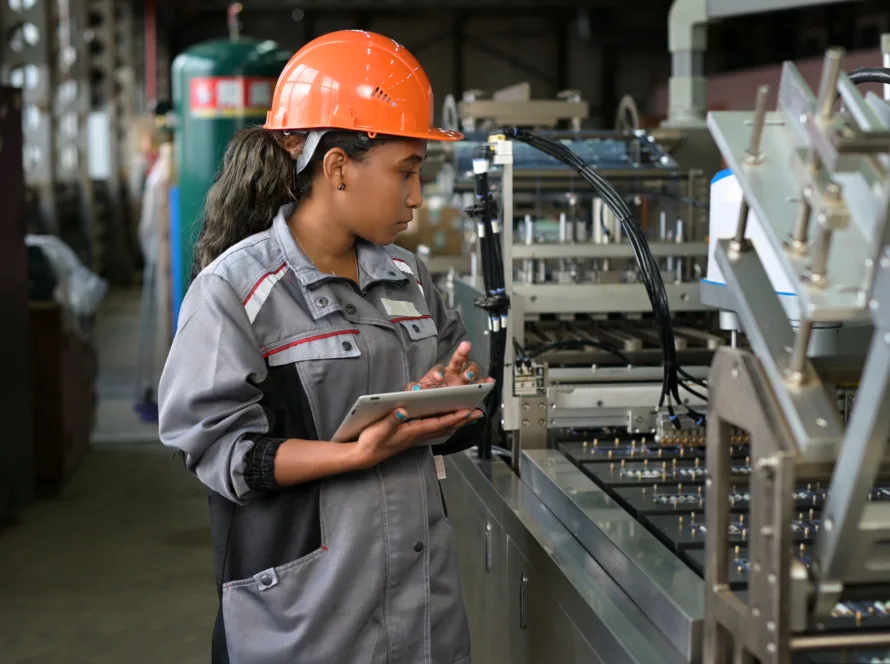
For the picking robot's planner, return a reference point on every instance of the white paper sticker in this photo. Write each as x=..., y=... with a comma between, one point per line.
x=440, y=467
x=399, y=308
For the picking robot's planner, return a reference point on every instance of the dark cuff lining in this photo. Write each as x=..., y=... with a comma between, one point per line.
x=260, y=471
x=465, y=438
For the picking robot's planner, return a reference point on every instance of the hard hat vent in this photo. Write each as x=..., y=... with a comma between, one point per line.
x=381, y=95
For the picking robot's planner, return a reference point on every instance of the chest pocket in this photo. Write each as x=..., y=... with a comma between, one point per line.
x=331, y=367
x=421, y=343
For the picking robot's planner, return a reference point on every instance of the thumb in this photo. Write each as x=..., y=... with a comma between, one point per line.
x=388, y=425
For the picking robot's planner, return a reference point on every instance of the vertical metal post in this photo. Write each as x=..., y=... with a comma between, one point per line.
x=741, y=226
x=831, y=70
x=885, y=60
x=797, y=245
x=754, y=155
x=515, y=320
x=798, y=360
x=29, y=63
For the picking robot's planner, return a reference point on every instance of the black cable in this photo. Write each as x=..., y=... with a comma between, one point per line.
x=870, y=75
x=649, y=270
x=686, y=387
x=690, y=377
x=494, y=301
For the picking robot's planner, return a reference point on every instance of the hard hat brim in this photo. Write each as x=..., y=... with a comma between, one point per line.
x=431, y=134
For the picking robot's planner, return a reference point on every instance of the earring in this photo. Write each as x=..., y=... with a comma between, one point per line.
x=341, y=187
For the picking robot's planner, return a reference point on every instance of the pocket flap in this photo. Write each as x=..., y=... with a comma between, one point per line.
x=420, y=327
x=336, y=344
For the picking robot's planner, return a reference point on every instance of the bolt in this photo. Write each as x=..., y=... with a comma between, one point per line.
x=525, y=423
x=541, y=422
x=542, y=406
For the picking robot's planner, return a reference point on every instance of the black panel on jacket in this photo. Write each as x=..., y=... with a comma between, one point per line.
x=278, y=526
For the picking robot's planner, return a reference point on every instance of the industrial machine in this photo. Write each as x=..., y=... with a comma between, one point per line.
x=745, y=521
x=584, y=350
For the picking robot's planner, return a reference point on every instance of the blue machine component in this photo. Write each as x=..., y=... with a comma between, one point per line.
x=602, y=150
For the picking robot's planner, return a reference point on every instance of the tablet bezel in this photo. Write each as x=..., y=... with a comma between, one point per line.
x=372, y=408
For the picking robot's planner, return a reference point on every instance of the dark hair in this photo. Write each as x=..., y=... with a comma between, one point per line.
x=256, y=179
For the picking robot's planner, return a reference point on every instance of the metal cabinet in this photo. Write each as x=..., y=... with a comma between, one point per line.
x=539, y=630
x=482, y=556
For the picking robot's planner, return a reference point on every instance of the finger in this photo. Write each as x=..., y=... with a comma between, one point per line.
x=435, y=377
x=488, y=380
x=446, y=427
x=459, y=359
x=388, y=425
x=472, y=372
x=413, y=387
x=435, y=425
x=472, y=418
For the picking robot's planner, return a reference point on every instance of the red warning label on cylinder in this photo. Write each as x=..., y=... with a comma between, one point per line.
x=231, y=96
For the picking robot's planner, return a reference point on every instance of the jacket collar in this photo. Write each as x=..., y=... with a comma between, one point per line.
x=374, y=263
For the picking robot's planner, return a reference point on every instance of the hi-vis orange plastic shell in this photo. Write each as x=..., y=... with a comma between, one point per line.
x=356, y=80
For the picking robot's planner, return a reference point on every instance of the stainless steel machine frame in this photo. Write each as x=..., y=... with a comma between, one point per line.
x=827, y=216
x=583, y=397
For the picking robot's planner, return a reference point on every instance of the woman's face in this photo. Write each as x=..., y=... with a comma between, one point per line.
x=382, y=191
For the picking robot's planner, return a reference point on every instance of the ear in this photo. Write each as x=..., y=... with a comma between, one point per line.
x=334, y=166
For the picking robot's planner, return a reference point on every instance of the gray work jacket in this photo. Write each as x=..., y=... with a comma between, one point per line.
x=354, y=569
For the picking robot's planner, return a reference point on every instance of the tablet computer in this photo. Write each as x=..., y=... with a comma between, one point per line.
x=372, y=408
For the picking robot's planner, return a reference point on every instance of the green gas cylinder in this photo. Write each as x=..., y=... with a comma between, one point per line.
x=219, y=87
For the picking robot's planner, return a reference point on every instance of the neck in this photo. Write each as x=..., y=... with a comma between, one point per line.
x=324, y=242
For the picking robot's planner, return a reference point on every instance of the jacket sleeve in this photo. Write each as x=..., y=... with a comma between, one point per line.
x=451, y=332
x=209, y=396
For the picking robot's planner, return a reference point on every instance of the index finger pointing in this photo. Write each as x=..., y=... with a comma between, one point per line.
x=460, y=357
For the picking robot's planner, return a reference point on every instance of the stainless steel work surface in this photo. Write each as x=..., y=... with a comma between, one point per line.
x=665, y=589
x=617, y=629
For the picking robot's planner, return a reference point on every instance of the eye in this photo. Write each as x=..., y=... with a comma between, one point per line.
x=409, y=174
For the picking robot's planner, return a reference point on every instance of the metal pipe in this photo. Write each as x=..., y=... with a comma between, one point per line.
x=528, y=265
x=754, y=155
x=234, y=24
x=831, y=71
x=819, y=265
x=798, y=359
x=687, y=41
x=151, y=53
x=840, y=641
x=800, y=234
x=885, y=60
x=679, y=240
x=742, y=225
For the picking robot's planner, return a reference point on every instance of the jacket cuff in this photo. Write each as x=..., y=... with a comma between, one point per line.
x=260, y=471
x=466, y=437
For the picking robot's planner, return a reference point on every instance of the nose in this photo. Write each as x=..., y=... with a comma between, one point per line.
x=415, y=194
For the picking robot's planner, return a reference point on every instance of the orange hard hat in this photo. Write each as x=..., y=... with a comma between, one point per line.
x=356, y=80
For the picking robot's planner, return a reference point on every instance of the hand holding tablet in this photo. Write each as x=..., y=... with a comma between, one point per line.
x=444, y=390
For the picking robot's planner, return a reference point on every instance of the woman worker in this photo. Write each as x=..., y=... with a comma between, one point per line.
x=325, y=553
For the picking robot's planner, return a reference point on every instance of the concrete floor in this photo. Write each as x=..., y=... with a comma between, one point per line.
x=117, y=568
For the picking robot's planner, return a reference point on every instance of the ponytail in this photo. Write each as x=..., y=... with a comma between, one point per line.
x=257, y=178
